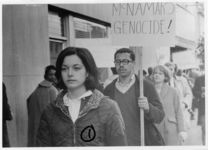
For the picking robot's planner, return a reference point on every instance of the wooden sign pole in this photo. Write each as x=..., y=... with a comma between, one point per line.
x=141, y=94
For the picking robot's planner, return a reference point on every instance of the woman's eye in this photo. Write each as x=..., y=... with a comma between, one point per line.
x=77, y=68
x=63, y=69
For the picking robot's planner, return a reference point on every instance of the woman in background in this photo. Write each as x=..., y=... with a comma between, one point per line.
x=81, y=114
x=172, y=126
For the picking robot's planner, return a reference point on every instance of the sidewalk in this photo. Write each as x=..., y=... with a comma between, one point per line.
x=194, y=133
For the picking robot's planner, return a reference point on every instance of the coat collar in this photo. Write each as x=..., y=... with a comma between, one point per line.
x=92, y=102
x=45, y=83
x=111, y=88
x=164, y=90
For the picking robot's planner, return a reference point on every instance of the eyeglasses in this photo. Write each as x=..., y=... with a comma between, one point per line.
x=124, y=62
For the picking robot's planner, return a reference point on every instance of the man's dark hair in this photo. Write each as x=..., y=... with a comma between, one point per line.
x=150, y=71
x=125, y=50
x=144, y=73
x=113, y=69
x=88, y=61
x=47, y=69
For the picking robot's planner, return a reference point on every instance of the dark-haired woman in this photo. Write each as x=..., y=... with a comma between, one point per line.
x=81, y=114
x=172, y=126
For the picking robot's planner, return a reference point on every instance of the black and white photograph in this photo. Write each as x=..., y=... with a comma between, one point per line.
x=109, y=74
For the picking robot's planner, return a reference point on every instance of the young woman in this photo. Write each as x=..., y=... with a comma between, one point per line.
x=81, y=115
x=172, y=126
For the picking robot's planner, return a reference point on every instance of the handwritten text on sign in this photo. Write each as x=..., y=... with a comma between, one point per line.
x=142, y=20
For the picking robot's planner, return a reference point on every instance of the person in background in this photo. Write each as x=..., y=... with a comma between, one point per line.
x=193, y=75
x=179, y=73
x=7, y=116
x=81, y=115
x=199, y=94
x=150, y=71
x=184, y=91
x=125, y=90
x=50, y=75
x=144, y=74
x=172, y=127
x=38, y=100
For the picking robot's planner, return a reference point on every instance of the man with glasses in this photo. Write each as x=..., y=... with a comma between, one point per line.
x=125, y=91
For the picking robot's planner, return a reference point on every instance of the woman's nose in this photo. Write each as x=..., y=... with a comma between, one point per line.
x=70, y=72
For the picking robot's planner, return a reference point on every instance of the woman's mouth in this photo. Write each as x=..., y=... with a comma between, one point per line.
x=71, y=80
x=121, y=70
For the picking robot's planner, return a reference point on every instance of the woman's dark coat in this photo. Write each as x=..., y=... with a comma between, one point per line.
x=99, y=123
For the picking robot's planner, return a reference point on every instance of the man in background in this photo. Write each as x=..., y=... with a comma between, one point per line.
x=125, y=91
x=185, y=94
x=199, y=94
x=38, y=100
x=149, y=77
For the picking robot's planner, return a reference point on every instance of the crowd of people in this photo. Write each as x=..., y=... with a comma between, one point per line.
x=189, y=87
x=70, y=107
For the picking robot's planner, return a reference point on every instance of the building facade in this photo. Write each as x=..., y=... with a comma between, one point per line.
x=33, y=35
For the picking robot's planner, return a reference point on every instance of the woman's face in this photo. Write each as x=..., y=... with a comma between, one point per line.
x=158, y=76
x=73, y=72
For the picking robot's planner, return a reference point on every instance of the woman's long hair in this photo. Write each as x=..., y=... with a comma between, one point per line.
x=88, y=61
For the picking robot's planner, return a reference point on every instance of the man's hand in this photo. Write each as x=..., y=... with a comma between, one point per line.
x=182, y=137
x=143, y=103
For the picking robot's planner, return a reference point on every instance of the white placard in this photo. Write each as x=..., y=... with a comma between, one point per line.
x=143, y=24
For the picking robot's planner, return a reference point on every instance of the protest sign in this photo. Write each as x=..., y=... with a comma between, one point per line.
x=143, y=23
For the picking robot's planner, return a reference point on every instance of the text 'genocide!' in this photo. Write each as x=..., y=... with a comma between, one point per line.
x=142, y=18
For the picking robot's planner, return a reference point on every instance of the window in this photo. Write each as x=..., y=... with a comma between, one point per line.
x=87, y=29
x=55, y=48
x=55, y=24
x=57, y=34
x=65, y=27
